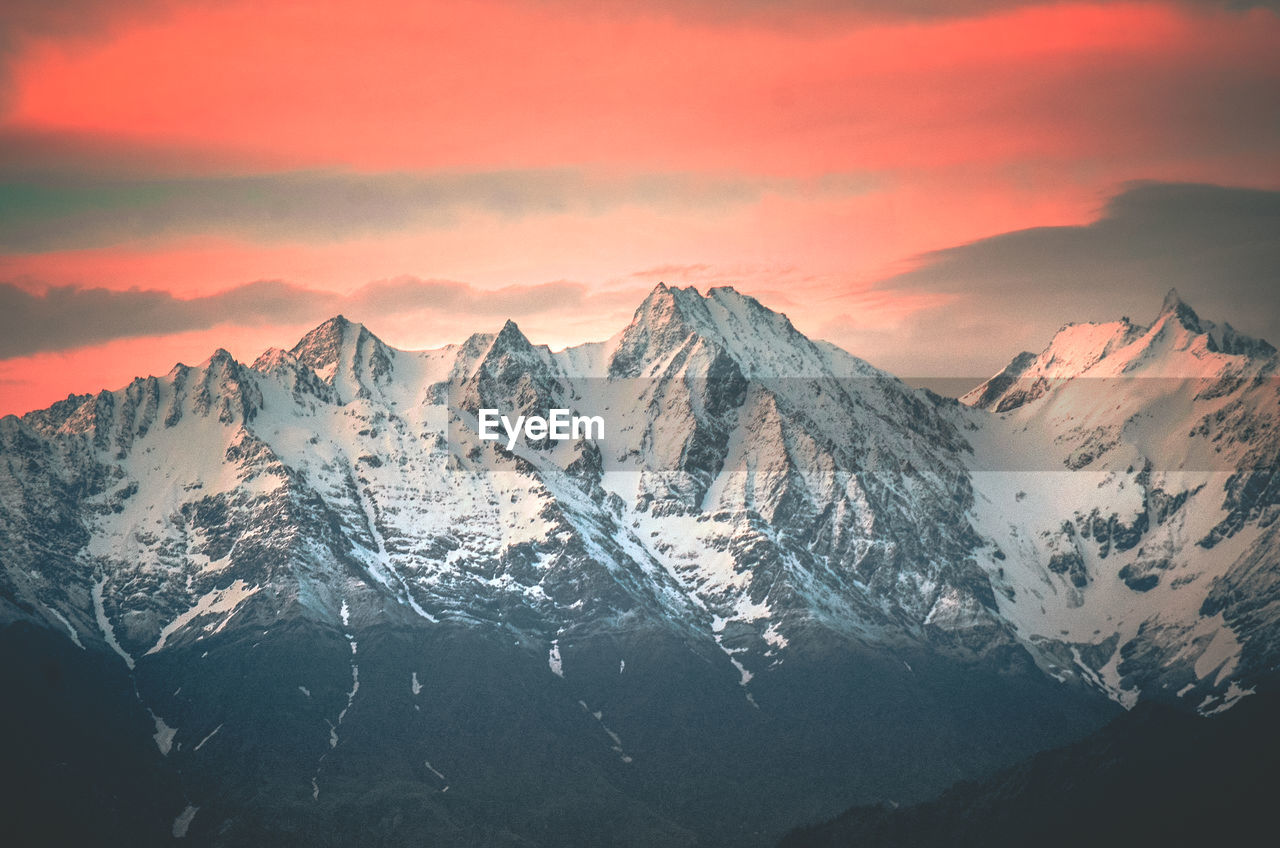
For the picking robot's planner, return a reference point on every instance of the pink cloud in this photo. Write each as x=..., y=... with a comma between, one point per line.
x=500, y=85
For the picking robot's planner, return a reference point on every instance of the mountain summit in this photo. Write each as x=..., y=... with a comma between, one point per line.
x=1178, y=344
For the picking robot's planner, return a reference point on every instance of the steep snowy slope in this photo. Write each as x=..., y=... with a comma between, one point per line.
x=1127, y=491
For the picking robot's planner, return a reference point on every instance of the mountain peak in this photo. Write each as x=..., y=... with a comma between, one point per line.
x=1172, y=300
x=660, y=296
x=1176, y=344
x=1178, y=308
x=321, y=347
x=666, y=318
x=672, y=301
x=273, y=358
x=221, y=356
x=336, y=327
x=990, y=394
x=505, y=349
x=346, y=355
x=509, y=339
x=730, y=292
x=1219, y=338
x=726, y=318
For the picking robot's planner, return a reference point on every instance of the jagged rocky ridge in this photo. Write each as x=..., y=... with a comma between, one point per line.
x=774, y=538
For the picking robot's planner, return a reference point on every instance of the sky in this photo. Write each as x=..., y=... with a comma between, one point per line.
x=933, y=186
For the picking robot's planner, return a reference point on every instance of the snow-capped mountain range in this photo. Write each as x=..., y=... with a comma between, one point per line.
x=1096, y=520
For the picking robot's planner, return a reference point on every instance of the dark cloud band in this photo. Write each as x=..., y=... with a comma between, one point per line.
x=66, y=318
x=59, y=212
x=800, y=13
x=1218, y=246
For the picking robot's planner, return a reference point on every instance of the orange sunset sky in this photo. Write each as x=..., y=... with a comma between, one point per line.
x=933, y=186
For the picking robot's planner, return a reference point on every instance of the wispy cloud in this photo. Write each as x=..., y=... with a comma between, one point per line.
x=662, y=272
